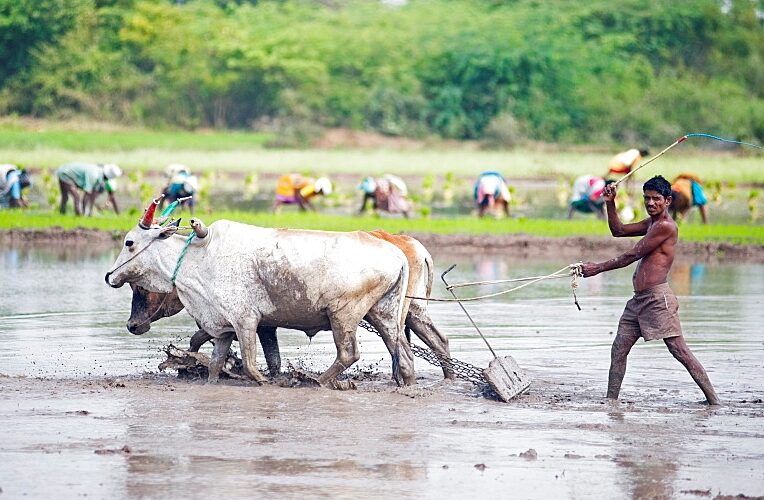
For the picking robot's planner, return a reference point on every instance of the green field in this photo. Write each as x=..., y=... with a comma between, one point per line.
x=49, y=146
x=740, y=234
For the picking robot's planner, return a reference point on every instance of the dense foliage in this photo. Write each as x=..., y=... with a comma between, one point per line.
x=634, y=71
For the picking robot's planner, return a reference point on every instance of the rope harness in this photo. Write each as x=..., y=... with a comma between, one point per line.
x=573, y=271
x=181, y=257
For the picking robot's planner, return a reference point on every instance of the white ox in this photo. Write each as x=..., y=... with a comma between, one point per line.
x=240, y=276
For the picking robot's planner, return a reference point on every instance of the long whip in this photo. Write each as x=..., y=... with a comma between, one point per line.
x=679, y=141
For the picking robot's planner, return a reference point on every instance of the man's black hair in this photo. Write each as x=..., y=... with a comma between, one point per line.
x=659, y=184
x=644, y=152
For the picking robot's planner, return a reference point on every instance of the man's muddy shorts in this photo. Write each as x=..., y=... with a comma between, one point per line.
x=651, y=314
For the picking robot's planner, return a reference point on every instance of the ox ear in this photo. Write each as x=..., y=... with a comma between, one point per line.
x=169, y=230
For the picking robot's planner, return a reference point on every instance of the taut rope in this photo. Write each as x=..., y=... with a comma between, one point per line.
x=572, y=270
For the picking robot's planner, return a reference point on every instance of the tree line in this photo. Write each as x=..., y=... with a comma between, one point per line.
x=633, y=71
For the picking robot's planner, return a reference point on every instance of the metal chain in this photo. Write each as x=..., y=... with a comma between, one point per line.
x=461, y=369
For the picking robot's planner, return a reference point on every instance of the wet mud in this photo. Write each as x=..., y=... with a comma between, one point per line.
x=87, y=412
x=157, y=436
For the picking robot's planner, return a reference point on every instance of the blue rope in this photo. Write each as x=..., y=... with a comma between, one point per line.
x=181, y=257
x=723, y=140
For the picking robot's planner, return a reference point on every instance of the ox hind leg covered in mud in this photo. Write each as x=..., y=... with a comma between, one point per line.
x=388, y=316
x=418, y=321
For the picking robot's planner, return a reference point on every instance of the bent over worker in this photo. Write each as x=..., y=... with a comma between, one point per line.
x=586, y=196
x=652, y=313
x=624, y=162
x=490, y=191
x=687, y=191
x=90, y=178
x=181, y=183
x=387, y=194
x=13, y=180
x=295, y=189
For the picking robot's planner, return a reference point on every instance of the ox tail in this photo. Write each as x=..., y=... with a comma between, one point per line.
x=401, y=286
x=430, y=274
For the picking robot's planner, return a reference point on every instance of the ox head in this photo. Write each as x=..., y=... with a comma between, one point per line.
x=148, y=307
x=141, y=250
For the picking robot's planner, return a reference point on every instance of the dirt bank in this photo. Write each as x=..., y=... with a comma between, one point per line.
x=521, y=246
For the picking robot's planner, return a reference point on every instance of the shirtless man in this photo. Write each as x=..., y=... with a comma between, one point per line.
x=653, y=311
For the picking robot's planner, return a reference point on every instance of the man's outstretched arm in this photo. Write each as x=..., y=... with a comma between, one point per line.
x=657, y=234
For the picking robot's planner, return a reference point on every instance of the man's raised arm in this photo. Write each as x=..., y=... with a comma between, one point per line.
x=618, y=228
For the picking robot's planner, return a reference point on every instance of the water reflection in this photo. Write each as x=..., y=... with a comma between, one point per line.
x=686, y=278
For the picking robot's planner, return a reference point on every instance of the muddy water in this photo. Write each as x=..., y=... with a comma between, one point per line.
x=86, y=412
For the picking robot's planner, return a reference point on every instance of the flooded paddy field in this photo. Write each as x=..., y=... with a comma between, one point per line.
x=87, y=413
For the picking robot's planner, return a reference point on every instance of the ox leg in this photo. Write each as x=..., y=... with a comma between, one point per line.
x=246, y=331
x=400, y=350
x=219, y=355
x=198, y=339
x=270, y=345
x=419, y=321
x=347, y=350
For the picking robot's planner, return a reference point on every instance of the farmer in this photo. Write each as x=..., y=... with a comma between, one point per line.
x=296, y=189
x=12, y=181
x=687, y=191
x=623, y=163
x=90, y=178
x=586, y=196
x=387, y=193
x=180, y=184
x=653, y=311
x=491, y=190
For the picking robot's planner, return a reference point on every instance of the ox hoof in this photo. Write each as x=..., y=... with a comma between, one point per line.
x=258, y=377
x=342, y=385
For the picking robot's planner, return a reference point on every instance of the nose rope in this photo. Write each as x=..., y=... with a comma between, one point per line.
x=128, y=260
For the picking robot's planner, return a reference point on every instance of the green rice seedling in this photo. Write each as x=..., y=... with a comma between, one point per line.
x=753, y=205
x=251, y=186
x=428, y=189
x=449, y=185
x=50, y=186
x=562, y=191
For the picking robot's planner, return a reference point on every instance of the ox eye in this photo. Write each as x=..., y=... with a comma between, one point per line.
x=129, y=244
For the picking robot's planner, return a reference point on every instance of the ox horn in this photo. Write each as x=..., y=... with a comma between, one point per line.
x=148, y=215
x=199, y=228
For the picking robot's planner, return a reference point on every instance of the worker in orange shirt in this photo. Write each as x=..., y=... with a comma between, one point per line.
x=294, y=189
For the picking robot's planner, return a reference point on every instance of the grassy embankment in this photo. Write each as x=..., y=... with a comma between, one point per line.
x=50, y=145
x=738, y=234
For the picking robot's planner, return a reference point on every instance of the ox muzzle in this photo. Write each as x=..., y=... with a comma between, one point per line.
x=108, y=281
